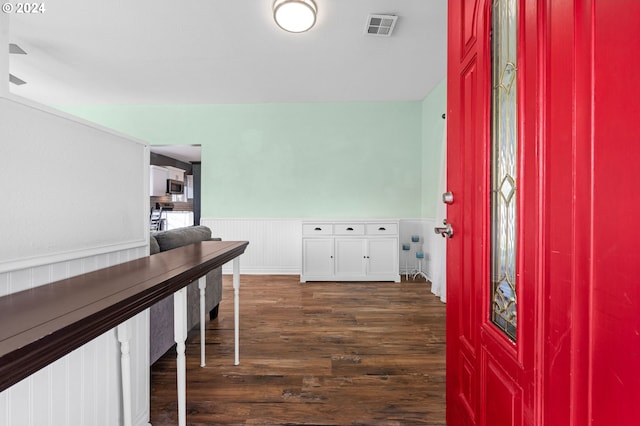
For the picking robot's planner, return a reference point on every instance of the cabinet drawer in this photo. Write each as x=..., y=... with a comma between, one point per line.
x=349, y=229
x=382, y=229
x=310, y=229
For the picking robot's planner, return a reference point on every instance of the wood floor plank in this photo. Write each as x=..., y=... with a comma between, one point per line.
x=314, y=353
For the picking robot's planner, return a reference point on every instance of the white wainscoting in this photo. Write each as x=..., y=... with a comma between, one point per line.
x=275, y=245
x=83, y=387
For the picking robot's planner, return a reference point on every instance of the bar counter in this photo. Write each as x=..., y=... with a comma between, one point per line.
x=40, y=325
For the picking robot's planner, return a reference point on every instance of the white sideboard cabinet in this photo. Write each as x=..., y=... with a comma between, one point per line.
x=350, y=251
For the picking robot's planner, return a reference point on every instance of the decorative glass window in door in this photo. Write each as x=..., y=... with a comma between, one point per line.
x=504, y=165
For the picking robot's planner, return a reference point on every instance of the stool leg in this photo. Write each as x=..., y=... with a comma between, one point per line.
x=406, y=269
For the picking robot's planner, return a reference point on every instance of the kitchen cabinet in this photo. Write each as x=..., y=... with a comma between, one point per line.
x=350, y=251
x=175, y=173
x=158, y=181
x=178, y=219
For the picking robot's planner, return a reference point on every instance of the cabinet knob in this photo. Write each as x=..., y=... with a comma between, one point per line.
x=382, y=228
x=349, y=229
x=318, y=229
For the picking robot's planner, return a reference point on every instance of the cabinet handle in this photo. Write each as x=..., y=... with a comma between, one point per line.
x=318, y=229
x=382, y=228
x=349, y=229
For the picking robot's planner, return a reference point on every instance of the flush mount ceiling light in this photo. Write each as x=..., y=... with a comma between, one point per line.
x=295, y=16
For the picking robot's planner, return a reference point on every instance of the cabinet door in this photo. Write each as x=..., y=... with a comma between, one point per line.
x=158, y=181
x=351, y=257
x=177, y=220
x=382, y=257
x=175, y=173
x=317, y=257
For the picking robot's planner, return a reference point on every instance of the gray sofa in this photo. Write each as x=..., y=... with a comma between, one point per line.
x=161, y=314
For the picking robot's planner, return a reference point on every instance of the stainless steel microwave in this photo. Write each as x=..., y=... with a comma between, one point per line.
x=175, y=186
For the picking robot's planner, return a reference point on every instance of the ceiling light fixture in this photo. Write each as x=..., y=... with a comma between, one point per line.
x=295, y=16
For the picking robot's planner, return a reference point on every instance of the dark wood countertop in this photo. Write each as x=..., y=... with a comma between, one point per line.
x=40, y=325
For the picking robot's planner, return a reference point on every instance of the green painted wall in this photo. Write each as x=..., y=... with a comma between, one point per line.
x=294, y=160
x=433, y=106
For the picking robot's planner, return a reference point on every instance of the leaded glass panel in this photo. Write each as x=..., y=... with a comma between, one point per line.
x=504, y=165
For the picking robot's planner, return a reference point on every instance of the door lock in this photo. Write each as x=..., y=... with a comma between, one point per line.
x=446, y=231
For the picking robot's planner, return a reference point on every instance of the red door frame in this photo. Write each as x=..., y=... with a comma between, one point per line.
x=577, y=357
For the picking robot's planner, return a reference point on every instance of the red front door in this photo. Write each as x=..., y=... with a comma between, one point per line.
x=574, y=356
x=488, y=362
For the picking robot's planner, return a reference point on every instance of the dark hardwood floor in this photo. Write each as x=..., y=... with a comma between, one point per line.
x=316, y=353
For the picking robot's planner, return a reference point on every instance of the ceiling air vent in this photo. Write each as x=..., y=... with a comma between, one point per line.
x=381, y=25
